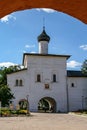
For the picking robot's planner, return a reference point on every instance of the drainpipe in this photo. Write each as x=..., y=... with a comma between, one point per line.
x=27, y=104
x=67, y=93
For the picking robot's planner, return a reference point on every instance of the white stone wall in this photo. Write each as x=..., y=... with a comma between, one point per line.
x=78, y=93
x=20, y=92
x=46, y=66
x=43, y=47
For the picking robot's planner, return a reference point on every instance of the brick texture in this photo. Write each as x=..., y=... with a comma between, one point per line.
x=75, y=8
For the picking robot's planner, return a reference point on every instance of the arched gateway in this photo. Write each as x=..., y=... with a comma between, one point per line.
x=47, y=104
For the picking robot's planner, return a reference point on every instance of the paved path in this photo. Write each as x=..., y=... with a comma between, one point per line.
x=44, y=121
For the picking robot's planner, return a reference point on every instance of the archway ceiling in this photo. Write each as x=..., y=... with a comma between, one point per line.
x=75, y=8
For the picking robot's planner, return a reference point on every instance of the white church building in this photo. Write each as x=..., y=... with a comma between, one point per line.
x=46, y=83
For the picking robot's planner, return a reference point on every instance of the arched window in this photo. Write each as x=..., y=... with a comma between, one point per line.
x=72, y=85
x=21, y=83
x=38, y=78
x=16, y=83
x=54, y=77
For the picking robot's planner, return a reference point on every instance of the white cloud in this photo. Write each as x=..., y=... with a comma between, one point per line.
x=7, y=18
x=33, y=52
x=47, y=10
x=29, y=52
x=84, y=47
x=24, y=51
x=73, y=64
x=29, y=46
x=7, y=64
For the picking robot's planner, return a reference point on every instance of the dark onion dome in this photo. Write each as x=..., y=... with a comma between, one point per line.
x=43, y=36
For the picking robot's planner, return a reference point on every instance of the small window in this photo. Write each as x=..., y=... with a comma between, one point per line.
x=21, y=83
x=16, y=83
x=38, y=78
x=72, y=85
x=54, y=77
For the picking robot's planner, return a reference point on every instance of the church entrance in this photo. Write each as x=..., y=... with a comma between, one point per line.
x=47, y=104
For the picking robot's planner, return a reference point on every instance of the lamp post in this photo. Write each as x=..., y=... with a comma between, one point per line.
x=27, y=104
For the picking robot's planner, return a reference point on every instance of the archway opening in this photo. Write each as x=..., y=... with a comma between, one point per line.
x=69, y=7
x=47, y=104
x=23, y=104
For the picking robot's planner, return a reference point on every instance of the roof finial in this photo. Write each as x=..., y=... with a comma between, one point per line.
x=43, y=23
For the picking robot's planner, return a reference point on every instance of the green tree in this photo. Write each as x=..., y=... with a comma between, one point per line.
x=5, y=95
x=5, y=92
x=84, y=67
x=7, y=70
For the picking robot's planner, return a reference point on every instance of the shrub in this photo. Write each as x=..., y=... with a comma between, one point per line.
x=5, y=112
x=8, y=112
x=23, y=112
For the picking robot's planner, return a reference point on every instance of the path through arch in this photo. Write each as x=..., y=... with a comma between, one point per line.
x=47, y=104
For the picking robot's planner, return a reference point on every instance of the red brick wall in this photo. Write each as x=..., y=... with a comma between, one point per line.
x=75, y=8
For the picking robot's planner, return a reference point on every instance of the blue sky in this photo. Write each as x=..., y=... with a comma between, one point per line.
x=19, y=31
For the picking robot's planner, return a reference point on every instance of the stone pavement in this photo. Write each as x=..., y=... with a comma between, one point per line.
x=44, y=121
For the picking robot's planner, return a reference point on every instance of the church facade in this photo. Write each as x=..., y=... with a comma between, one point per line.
x=45, y=82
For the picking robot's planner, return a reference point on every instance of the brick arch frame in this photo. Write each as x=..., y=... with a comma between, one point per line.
x=75, y=8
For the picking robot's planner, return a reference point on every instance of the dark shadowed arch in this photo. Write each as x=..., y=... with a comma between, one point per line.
x=47, y=104
x=23, y=104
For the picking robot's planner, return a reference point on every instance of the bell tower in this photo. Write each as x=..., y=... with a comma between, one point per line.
x=43, y=40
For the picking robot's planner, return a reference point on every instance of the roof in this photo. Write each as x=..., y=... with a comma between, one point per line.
x=46, y=55
x=49, y=55
x=73, y=73
x=43, y=36
x=18, y=71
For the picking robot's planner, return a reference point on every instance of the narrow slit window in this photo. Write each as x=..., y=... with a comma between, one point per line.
x=72, y=85
x=38, y=78
x=54, y=77
x=16, y=83
x=21, y=83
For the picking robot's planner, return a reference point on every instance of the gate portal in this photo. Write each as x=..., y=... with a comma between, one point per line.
x=47, y=104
